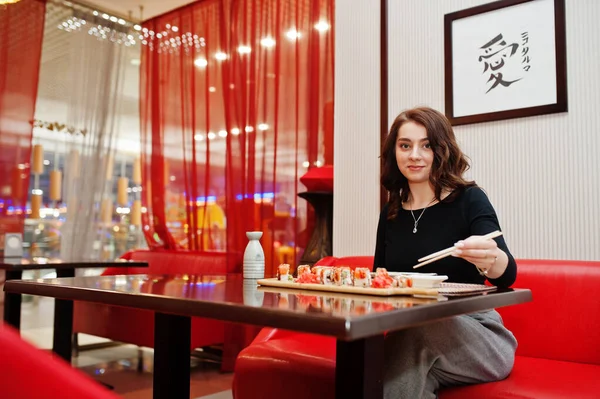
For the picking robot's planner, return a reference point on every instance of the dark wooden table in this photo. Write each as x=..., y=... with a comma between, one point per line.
x=63, y=310
x=358, y=322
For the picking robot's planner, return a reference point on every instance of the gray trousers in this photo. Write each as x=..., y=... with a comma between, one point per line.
x=465, y=349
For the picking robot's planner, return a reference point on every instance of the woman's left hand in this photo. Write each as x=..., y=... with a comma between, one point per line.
x=480, y=251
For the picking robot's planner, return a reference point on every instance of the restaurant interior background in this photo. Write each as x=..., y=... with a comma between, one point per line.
x=174, y=133
x=540, y=172
x=564, y=173
x=170, y=119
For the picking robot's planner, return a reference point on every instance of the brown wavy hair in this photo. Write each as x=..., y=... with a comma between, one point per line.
x=449, y=162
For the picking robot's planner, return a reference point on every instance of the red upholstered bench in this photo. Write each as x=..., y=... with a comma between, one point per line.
x=29, y=373
x=136, y=326
x=558, y=354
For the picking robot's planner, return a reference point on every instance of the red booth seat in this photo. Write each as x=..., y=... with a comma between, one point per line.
x=173, y=262
x=29, y=373
x=558, y=354
x=136, y=326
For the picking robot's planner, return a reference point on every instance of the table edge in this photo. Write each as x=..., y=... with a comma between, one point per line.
x=412, y=317
x=170, y=305
x=317, y=323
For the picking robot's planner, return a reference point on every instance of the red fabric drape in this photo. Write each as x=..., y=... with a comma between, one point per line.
x=233, y=98
x=21, y=31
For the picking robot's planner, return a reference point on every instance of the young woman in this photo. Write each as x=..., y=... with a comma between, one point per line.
x=431, y=207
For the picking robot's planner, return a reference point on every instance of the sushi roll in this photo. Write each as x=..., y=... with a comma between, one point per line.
x=283, y=272
x=327, y=277
x=382, y=272
x=324, y=274
x=303, y=269
x=382, y=279
x=342, y=275
x=402, y=282
x=362, y=277
x=318, y=271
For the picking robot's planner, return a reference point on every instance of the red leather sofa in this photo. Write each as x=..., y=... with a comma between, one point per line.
x=558, y=354
x=29, y=373
x=136, y=326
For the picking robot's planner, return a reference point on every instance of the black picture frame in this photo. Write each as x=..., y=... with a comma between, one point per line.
x=560, y=66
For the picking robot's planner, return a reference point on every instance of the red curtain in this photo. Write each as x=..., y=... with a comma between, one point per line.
x=21, y=31
x=233, y=103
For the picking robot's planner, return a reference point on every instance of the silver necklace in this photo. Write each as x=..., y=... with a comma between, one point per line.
x=419, y=218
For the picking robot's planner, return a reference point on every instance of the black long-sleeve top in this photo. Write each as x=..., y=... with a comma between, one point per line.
x=442, y=225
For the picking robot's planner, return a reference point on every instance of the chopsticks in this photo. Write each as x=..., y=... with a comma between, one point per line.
x=448, y=251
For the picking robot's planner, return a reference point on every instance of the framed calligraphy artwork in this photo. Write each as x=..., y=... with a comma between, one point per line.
x=505, y=60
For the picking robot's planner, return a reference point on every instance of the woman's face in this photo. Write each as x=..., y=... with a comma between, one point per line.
x=413, y=152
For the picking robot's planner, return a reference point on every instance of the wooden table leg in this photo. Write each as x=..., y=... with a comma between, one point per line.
x=62, y=339
x=359, y=368
x=62, y=343
x=12, y=302
x=172, y=340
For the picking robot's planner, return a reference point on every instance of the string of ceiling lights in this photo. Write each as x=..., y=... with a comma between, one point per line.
x=99, y=23
x=105, y=26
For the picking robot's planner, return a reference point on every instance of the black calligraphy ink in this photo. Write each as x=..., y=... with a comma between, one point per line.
x=496, y=54
x=524, y=51
x=499, y=81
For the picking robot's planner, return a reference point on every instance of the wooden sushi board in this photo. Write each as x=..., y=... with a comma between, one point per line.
x=349, y=289
x=446, y=289
x=396, y=300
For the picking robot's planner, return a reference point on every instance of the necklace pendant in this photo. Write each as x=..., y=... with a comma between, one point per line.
x=414, y=230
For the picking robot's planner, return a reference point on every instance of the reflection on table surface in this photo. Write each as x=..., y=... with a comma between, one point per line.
x=235, y=290
x=339, y=304
x=169, y=285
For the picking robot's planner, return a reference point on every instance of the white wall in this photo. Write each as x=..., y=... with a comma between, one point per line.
x=540, y=172
x=356, y=126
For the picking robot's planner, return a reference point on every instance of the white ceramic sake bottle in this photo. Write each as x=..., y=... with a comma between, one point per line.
x=254, y=256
